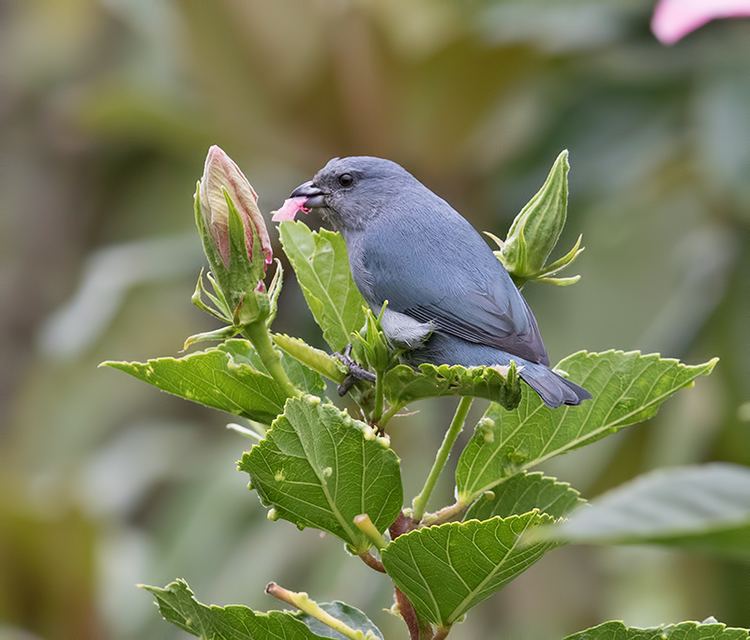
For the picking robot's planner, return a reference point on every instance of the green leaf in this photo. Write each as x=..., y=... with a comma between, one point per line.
x=322, y=266
x=230, y=377
x=233, y=622
x=705, y=507
x=404, y=384
x=627, y=388
x=319, y=468
x=616, y=630
x=447, y=569
x=351, y=616
x=523, y=493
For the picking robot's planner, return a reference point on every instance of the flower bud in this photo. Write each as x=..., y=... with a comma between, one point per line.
x=234, y=233
x=223, y=180
x=536, y=230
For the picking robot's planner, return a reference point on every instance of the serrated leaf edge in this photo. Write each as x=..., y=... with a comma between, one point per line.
x=368, y=433
x=473, y=521
x=703, y=369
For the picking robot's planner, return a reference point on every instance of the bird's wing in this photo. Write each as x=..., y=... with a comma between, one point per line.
x=444, y=273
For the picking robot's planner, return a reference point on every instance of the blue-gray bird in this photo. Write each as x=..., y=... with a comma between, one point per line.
x=450, y=301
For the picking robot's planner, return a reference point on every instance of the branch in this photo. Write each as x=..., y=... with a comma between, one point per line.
x=419, y=504
x=409, y=615
x=417, y=629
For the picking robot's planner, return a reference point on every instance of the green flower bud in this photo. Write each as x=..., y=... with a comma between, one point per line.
x=536, y=230
x=370, y=343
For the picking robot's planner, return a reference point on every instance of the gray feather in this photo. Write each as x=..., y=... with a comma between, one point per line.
x=430, y=264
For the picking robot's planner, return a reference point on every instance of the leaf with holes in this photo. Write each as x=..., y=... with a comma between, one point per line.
x=447, y=569
x=178, y=605
x=321, y=263
x=705, y=507
x=523, y=493
x=627, y=388
x=230, y=377
x=403, y=384
x=616, y=630
x=319, y=468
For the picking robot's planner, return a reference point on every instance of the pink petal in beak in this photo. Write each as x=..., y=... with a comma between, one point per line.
x=289, y=209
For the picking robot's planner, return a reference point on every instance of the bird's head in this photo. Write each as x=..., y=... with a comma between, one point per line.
x=352, y=191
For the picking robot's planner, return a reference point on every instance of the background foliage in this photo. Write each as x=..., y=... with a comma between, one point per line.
x=106, y=110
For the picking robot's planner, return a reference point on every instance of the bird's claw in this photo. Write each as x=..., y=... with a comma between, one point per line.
x=355, y=371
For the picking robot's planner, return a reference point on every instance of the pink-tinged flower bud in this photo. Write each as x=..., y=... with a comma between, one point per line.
x=222, y=178
x=234, y=237
x=674, y=19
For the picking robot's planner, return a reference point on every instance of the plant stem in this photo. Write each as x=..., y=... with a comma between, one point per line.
x=419, y=504
x=365, y=525
x=311, y=357
x=258, y=334
x=418, y=629
x=445, y=514
x=392, y=411
x=441, y=633
x=303, y=602
x=377, y=412
x=372, y=562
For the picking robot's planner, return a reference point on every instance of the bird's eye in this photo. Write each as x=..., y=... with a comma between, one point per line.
x=346, y=179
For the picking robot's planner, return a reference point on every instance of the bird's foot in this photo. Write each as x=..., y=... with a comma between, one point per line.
x=355, y=371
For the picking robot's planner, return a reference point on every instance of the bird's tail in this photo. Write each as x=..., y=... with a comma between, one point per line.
x=552, y=388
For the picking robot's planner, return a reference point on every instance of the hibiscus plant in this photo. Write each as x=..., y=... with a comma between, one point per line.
x=323, y=460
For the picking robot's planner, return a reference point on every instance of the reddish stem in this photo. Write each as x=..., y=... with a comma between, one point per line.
x=417, y=630
x=402, y=525
x=406, y=609
x=372, y=562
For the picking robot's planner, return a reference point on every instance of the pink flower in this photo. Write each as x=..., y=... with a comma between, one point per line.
x=221, y=174
x=289, y=209
x=674, y=19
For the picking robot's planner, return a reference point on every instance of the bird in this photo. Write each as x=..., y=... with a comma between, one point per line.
x=449, y=299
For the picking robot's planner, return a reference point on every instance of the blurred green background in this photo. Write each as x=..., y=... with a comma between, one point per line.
x=107, y=108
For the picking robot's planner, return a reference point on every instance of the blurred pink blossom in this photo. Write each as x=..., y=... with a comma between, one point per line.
x=674, y=19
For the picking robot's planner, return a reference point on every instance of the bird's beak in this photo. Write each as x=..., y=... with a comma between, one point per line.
x=315, y=196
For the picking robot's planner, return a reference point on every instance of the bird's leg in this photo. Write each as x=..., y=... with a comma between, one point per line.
x=355, y=371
